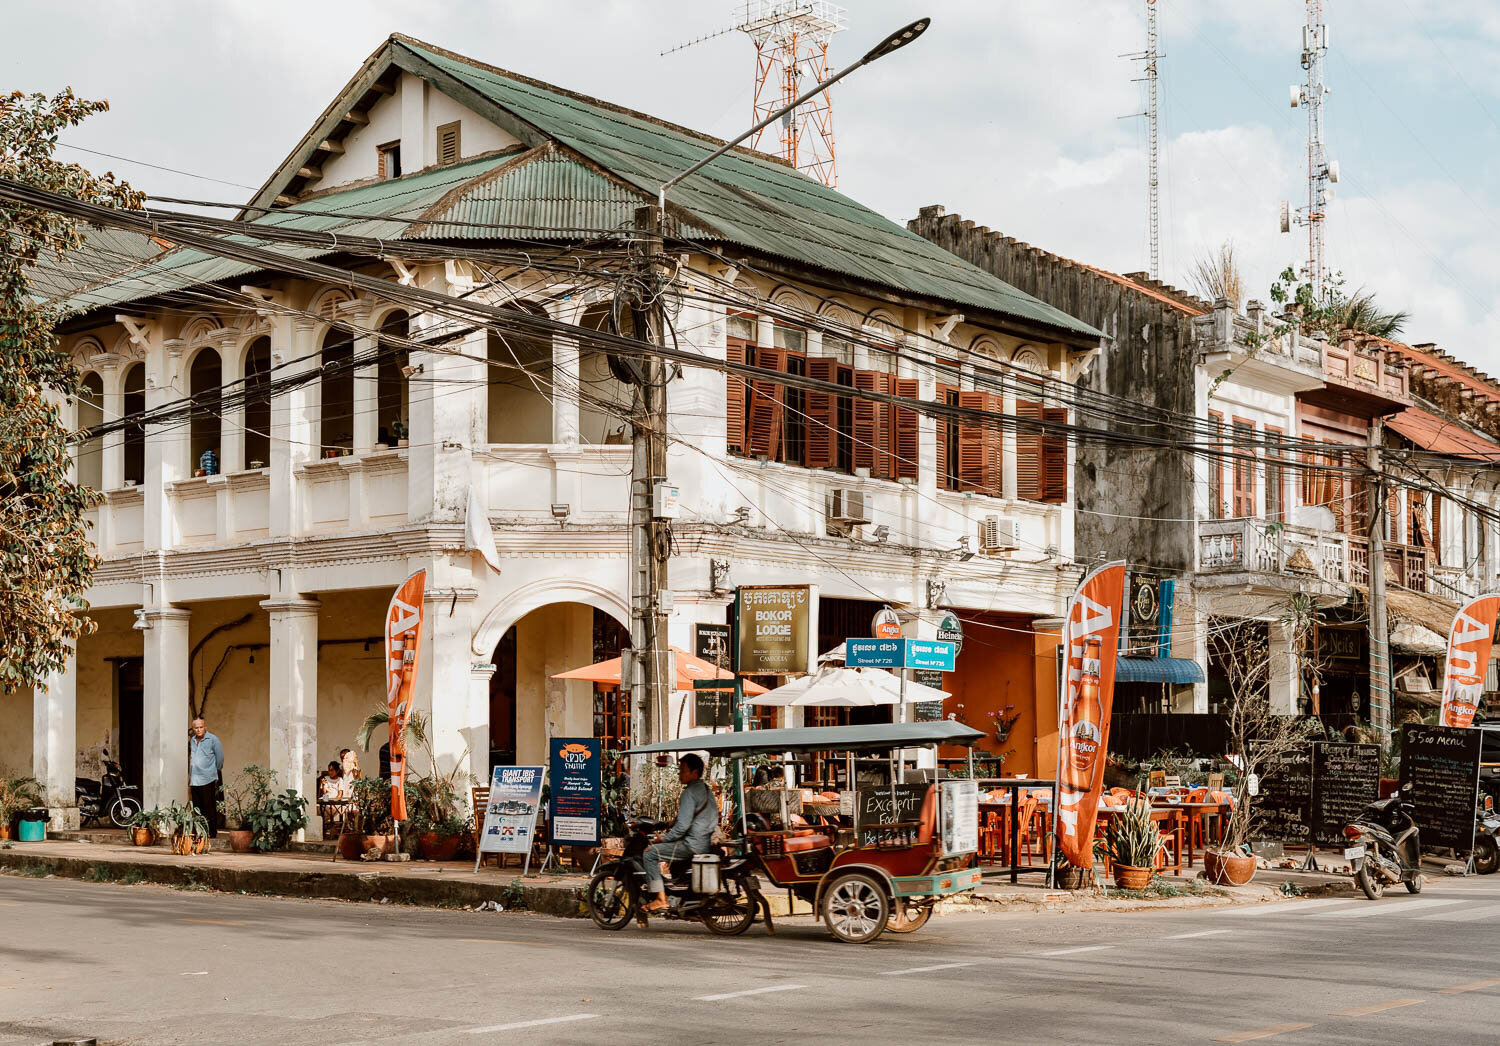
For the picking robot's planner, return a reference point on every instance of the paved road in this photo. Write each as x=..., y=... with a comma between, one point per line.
x=150, y=965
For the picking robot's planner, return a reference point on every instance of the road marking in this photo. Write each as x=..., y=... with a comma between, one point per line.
x=1364, y=911
x=1472, y=986
x=1362, y=1011
x=532, y=1024
x=10, y=904
x=200, y=973
x=1075, y=951
x=211, y=922
x=1301, y=906
x=1200, y=933
x=1481, y=911
x=927, y=969
x=500, y=940
x=749, y=991
x=1262, y=1033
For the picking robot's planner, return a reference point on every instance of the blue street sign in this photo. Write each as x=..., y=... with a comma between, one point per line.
x=933, y=654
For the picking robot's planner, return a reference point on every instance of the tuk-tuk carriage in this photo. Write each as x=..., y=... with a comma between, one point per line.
x=876, y=856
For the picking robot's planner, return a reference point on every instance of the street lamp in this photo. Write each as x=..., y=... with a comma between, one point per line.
x=894, y=42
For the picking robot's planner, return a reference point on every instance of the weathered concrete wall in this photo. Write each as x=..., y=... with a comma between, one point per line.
x=15, y=732
x=1130, y=500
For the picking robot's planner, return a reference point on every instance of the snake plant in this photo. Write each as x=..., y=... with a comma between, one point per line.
x=1132, y=838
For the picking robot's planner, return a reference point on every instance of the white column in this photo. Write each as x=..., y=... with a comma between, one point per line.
x=232, y=427
x=565, y=379
x=294, y=698
x=479, y=718
x=292, y=429
x=1283, y=675
x=166, y=446
x=1009, y=486
x=445, y=692
x=164, y=729
x=114, y=408
x=366, y=387
x=447, y=420
x=55, y=743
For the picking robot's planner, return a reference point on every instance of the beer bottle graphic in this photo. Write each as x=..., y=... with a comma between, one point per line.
x=1088, y=714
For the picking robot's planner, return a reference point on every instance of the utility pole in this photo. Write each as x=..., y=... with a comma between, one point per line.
x=650, y=539
x=1380, y=665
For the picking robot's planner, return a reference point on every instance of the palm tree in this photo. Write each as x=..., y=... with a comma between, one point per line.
x=380, y=719
x=1360, y=313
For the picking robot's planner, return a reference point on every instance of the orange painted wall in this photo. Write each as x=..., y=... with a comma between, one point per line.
x=1003, y=663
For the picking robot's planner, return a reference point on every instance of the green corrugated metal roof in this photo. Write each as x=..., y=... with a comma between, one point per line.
x=751, y=201
x=105, y=253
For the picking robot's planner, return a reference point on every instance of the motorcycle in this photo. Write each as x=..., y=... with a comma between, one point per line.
x=1486, y=845
x=718, y=889
x=108, y=797
x=1386, y=847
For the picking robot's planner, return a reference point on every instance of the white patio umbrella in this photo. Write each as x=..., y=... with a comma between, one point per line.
x=832, y=687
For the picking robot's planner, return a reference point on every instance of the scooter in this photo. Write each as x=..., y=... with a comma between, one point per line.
x=718, y=889
x=1486, y=837
x=1385, y=847
x=108, y=797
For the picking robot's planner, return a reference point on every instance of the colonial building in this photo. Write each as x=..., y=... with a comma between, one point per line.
x=335, y=438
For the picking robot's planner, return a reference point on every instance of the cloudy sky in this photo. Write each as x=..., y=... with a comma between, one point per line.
x=1006, y=112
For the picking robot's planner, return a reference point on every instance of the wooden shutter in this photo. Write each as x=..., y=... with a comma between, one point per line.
x=946, y=470
x=871, y=424
x=1216, y=467
x=734, y=398
x=1054, y=455
x=448, y=147
x=978, y=446
x=904, y=432
x=765, y=409
x=1437, y=530
x=1244, y=468
x=1275, y=477
x=1392, y=515
x=1029, y=452
x=1416, y=527
x=822, y=415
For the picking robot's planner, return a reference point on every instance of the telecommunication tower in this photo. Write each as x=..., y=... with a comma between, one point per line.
x=1150, y=56
x=1321, y=173
x=791, y=40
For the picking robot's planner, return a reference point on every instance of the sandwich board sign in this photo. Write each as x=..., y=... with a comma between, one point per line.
x=510, y=813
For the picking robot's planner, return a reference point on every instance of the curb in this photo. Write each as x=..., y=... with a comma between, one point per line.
x=560, y=901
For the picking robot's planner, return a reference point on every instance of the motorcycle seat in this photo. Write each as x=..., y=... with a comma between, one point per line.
x=798, y=843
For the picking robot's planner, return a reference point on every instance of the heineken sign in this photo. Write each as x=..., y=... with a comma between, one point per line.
x=951, y=630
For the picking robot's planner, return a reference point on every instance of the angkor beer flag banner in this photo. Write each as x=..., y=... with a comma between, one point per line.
x=403, y=642
x=1468, y=659
x=1091, y=638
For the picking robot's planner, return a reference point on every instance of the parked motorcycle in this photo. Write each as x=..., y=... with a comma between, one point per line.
x=1486, y=844
x=1385, y=847
x=108, y=797
x=718, y=889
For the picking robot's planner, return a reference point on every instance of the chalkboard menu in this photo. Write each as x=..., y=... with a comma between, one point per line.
x=881, y=809
x=927, y=711
x=1284, y=806
x=1441, y=763
x=713, y=708
x=1345, y=780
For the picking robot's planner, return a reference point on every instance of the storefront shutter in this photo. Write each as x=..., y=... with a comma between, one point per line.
x=766, y=399
x=734, y=398
x=1054, y=448
x=904, y=433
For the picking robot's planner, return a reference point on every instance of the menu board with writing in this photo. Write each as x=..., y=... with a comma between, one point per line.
x=1283, y=807
x=883, y=808
x=1345, y=780
x=1441, y=763
x=927, y=711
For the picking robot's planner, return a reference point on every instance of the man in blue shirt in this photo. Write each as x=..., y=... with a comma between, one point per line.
x=205, y=771
x=692, y=832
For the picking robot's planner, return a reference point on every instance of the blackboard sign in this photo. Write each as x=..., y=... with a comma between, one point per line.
x=1441, y=763
x=1283, y=808
x=713, y=707
x=711, y=643
x=880, y=808
x=928, y=711
x=1345, y=780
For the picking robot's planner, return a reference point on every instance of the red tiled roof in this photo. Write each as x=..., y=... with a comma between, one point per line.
x=1140, y=288
x=1433, y=433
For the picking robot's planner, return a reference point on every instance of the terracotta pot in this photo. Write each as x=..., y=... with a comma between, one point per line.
x=380, y=843
x=143, y=836
x=351, y=845
x=434, y=847
x=1227, y=869
x=1129, y=877
x=189, y=844
x=1071, y=878
x=4, y=832
x=240, y=839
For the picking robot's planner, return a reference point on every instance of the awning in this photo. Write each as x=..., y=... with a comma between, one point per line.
x=1417, y=639
x=871, y=737
x=1158, y=670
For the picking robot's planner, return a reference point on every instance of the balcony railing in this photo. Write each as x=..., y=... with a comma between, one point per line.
x=1231, y=546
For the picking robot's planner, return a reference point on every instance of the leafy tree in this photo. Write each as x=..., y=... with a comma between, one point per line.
x=45, y=555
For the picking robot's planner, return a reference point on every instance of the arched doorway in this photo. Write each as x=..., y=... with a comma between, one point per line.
x=527, y=705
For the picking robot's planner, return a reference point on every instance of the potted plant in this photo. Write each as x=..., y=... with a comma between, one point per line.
x=371, y=826
x=438, y=812
x=189, y=828
x=1065, y=874
x=17, y=792
x=237, y=804
x=271, y=817
x=1132, y=843
x=145, y=827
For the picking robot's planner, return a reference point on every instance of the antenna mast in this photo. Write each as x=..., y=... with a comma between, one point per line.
x=1153, y=149
x=1321, y=173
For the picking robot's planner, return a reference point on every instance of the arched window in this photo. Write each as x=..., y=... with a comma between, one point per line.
x=135, y=433
x=520, y=387
x=604, y=400
x=205, y=380
x=90, y=414
x=392, y=402
x=336, y=413
x=257, y=404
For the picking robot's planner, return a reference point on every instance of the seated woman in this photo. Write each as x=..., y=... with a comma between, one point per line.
x=349, y=763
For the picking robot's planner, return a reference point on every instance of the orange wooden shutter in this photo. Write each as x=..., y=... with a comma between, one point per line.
x=945, y=468
x=904, y=432
x=1216, y=467
x=978, y=446
x=1029, y=471
x=765, y=410
x=734, y=398
x=822, y=415
x=1437, y=530
x=1244, y=468
x=1054, y=458
x=871, y=424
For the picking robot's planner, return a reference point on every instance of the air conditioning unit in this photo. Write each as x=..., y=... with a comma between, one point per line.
x=999, y=534
x=849, y=508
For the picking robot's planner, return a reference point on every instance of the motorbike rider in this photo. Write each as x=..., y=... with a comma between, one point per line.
x=690, y=834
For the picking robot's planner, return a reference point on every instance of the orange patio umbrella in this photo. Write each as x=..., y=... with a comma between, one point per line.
x=689, y=668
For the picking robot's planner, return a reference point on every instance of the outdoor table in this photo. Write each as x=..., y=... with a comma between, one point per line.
x=1014, y=785
x=1159, y=814
x=1191, y=811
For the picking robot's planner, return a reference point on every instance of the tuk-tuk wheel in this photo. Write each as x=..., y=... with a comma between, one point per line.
x=609, y=900
x=908, y=916
x=856, y=908
x=1486, y=855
